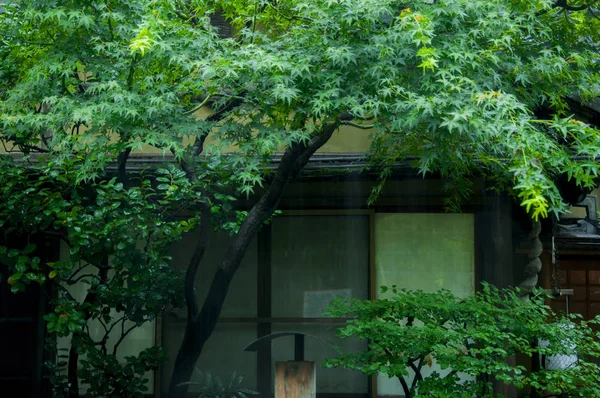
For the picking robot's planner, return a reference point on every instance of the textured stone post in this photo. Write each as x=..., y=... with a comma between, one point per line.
x=534, y=264
x=295, y=379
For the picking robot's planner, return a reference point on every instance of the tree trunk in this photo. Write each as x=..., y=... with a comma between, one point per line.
x=72, y=376
x=196, y=335
x=73, y=363
x=200, y=327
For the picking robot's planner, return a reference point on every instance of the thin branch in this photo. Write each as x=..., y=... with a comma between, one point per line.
x=110, y=29
x=191, y=300
x=407, y=393
x=81, y=277
x=190, y=275
x=563, y=4
x=131, y=74
x=357, y=125
x=123, y=335
x=289, y=18
x=103, y=327
x=75, y=127
x=417, y=369
x=350, y=116
x=75, y=273
x=45, y=140
x=215, y=117
x=221, y=113
x=199, y=106
x=32, y=148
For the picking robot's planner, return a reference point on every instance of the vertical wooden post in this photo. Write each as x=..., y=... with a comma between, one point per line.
x=295, y=379
x=496, y=249
x=264, y=378
x=496, y=257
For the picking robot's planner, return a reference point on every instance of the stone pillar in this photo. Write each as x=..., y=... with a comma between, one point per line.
x=534, y=264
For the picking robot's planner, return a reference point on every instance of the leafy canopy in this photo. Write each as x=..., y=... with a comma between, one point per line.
x=461, y=86
x=456, y=84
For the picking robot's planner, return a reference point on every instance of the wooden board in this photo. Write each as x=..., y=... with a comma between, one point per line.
x=295, y=379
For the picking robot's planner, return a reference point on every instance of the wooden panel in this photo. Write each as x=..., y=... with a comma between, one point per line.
x=496, y=241
x=295, y=379
x=263, y=357
x=594, y=293
x=594, y=310
x=595, y=277
x=580, y=293
x=577, y=277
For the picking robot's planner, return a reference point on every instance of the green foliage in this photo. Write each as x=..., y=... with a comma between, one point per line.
x=208, y=386
x=469, y=339
x=105, y=375
x=108, y=377
x=115, y=242
x=464, y=87
x=456, y=84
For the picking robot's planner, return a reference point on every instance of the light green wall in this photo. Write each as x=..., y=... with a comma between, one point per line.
x=423, y=252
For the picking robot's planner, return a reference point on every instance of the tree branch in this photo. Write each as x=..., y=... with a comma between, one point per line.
x=123, y=335
x=417, y=369
x=72, y=366
x=197, y=332
x=405, y=387
x=199, y=106
x=122, y=164
x=563, y=4
x=351, y=116
x=25, y=148
x=214, y=117
x=72, y=282
x=357, y=125
x=68, y=281
x=289, y=18
x=191, y=300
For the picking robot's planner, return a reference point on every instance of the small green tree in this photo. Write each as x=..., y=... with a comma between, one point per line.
x=117, y=240
x=469, y=339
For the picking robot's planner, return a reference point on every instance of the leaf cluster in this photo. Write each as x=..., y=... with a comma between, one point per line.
x=469, y=339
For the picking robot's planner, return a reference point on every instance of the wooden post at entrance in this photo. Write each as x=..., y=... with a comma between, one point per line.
x=295, y=379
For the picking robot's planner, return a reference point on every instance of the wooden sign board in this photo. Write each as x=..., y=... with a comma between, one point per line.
x=295, y=379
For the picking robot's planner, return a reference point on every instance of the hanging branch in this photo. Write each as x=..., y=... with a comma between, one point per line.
x=563, y=4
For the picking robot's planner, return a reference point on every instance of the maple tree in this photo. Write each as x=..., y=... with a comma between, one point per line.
x=464, y=87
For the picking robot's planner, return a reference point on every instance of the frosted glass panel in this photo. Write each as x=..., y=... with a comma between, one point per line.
x=241, y=297
x=315, y=259
x=423, y=252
